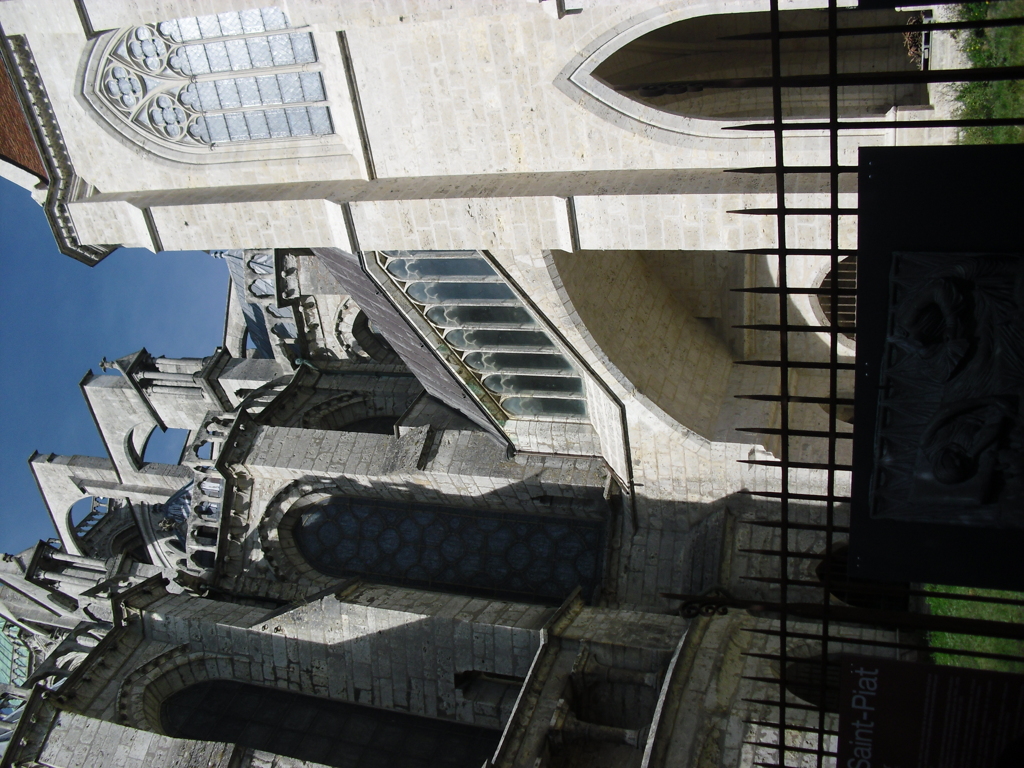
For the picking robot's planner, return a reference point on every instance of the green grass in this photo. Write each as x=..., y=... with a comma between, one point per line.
x=998, y=47
x=945, y=606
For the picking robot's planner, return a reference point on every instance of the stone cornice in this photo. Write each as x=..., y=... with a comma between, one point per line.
x=64, y=184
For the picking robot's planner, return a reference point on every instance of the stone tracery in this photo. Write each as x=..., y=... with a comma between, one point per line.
x=168, y=79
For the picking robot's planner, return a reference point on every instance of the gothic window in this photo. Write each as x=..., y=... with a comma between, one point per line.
x=321, y=730
x=496, y=336
x=685, y=68
x=844, y=312
x=466, y=551
x=200, y=82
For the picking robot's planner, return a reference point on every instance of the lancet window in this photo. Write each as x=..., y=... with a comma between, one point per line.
x=492, y=331
x=201, y=81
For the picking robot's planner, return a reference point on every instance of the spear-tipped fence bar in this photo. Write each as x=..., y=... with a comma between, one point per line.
x=868, y=616
x=930, y=26
x=788, y=616
x=838, y=80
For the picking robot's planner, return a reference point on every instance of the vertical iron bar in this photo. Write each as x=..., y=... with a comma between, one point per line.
x=833, y=347
x=780, y=218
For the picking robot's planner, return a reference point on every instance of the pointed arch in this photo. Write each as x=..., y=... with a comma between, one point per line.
x=233, y=86
x=616, y=74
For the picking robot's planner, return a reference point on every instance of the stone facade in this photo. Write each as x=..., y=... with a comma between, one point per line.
x=474, y=412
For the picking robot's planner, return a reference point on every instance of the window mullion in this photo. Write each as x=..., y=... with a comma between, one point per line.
x=244, y=35
x=254, y=107
x=282, y=69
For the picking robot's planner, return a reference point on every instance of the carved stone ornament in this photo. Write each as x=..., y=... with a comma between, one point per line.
x=195, y=83
x=950, y=443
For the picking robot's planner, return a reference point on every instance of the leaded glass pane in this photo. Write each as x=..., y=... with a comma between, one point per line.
x=259, y=52
x=252, y=20
x=486, y=339
x=257, y=122
x=208, y=98
x=312, y=86
x=205, y=94
x=302, y=45
x=238, y=53
x=543, y=406
x=430, y=293
x=189, y=96
x=273, y=18
x=278, y=123
x=320, y=120
x=476, y=551
x=237, y=129
x=454, y=317
x=217, y=128
x=230, y=24
x=209, y=26
x=281, y=50
x=248, y=91
x=270, y=91
x=298, y=122
x=517, y=384
x=497, y=362
x=291, y=87
x=171, y=29
x=189, y=29
x=228, y=94
x=199, y=131
x=426, y=268
x=217, y=55
x=197, y=61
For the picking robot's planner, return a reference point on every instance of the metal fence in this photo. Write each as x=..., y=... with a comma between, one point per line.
x=801, y=692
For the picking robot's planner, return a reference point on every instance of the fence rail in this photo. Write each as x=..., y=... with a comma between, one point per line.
x=796, y=719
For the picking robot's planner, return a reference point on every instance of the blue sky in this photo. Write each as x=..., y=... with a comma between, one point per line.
x=61, y=318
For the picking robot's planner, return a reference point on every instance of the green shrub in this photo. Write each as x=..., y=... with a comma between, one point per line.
x=995, y=47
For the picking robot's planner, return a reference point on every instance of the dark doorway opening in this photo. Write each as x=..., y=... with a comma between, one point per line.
x=334, y=733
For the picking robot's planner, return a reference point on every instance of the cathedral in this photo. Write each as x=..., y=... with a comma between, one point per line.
x=482, y=411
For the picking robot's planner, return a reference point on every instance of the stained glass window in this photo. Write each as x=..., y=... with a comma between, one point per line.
x=483, y=321
x=229, y=77
x=519, y=556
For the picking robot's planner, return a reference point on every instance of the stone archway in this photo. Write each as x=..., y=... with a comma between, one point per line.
x=701, y=49
x=320, y=730
x=647, y=332
x=209, y=696
x=363, y=411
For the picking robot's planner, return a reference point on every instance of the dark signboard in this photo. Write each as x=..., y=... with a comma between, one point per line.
x=897, y=714
x=938, y=480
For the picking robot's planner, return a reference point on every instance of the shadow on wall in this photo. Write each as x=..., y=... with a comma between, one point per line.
x=652, y=317
x=334, y=733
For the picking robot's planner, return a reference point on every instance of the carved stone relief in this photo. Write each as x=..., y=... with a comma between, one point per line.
x=950, y=443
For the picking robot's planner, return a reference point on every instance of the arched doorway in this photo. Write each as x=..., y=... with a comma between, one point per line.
x=321, y=730
x=673, y=68
x=843, y=311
